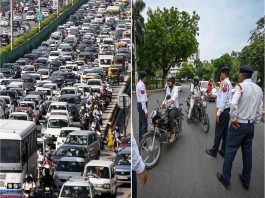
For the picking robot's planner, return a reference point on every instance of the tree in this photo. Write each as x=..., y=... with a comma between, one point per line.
x=138, y=21
x=187, y=71
x=218, y=63
x=258, y=33
x=205, y=71
x=170, y=38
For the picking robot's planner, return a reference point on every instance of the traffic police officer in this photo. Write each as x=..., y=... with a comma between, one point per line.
x=245, y=110
x=222, y=116
x=141, y=96
x=172, y=103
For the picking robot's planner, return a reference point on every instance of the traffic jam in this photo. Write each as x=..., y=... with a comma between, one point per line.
x=55, y=102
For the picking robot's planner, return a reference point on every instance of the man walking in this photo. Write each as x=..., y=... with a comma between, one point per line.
x=245, y=110
x=141, y=96
x=222, y=116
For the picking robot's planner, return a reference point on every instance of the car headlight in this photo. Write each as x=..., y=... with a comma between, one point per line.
x=15, y=186
x=47, y=188
x=9, y=186
x=107, y=186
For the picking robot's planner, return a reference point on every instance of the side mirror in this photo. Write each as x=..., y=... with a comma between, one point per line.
x=63, y=141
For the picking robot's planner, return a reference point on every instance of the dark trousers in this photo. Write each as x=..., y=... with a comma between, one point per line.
x=221, y=130
x=134, y=185
x=173, y=113
x=243, y=137
x=142, y=121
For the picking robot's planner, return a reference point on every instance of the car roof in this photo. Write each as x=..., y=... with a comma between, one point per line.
x=82, y=132
x=77, y=181
x=19, y=113
x=59, y=103
x=105, y=163
x=72, y=159
x=70, y=128
x=58, y=117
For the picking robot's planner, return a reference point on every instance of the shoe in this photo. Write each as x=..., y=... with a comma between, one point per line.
x=221, y=179
x=221, y=153
x=245, y=186
x=210, y=152
x=172, y=137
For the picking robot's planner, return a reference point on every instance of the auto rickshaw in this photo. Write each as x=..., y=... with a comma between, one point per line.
x=84, y=78
x=114, y=75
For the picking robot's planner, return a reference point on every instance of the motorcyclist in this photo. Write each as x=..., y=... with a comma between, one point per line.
x=116, y=136
x=171, y=103
x=47, y=180
x=29, y=186
x=40, y=156
x=47, y=162
x=195, y=92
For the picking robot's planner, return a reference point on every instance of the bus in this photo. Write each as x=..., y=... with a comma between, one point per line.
x=18, y=154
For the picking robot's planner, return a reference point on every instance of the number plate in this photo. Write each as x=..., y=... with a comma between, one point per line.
x=122, y=177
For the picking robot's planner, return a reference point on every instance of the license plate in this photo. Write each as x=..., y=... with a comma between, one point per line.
x=122, y=177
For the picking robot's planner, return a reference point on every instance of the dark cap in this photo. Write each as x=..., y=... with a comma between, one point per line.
x=225, y=68
x=246, y=69
x=142, y=74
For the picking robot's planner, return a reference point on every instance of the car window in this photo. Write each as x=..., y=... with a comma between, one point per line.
x=76, y=140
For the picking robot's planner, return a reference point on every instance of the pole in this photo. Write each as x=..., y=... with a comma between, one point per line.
x=11, y=23
x=40, y=12
x=135, y=55
x=124, y=114
x=57, y=8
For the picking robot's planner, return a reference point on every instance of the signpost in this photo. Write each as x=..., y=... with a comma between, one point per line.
x=39, y=17
x=124, y=102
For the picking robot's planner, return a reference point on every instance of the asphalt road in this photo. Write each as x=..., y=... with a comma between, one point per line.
x=186, y=171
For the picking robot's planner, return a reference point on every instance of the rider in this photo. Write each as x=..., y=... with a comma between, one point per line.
x=195, y=93
x=40, y=156
x=171, y=102
x=47, y=160
x=29, y=186
x=47, y=180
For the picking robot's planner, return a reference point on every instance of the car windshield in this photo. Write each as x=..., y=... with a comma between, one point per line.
x=76, y=140
x=47, y=92
x=65, y=133
x=69, y=152
x=57, y=123
x=98, y=171
x=9, y=151
x=67, y=91
x=28, y=80
x=70, y=166
x=31, y=105
x=70, y=100
x=94, y=82
x=123, y=159
x=53, y=87
x=76, y=191
x=18, y=117
x=57, y=107
x=43, y=72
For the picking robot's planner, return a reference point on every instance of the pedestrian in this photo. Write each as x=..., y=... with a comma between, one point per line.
x=171, y=102
x=138, y=167
x=222, y=114
x=245, y=110
x=141, y=96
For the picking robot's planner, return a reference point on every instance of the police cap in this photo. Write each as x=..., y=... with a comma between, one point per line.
x=142, y=74
x=246, y=69
x=225, y=69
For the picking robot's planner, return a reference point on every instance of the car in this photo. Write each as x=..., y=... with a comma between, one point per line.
x=52, y=128
x=54, y=55
x=75, y=103
x=77, y=186
x=69, y=90
x=30, y=16
x=85, y=138
x=16, y=25
x=4, y=22
x=53, y=87
x=123, y=165
x=45, y=73
x=95, y=84
x=70, y=151
x=57, y=106
x=19, y=116
x=101, y=174
x=30, y=107
x=18, y=17
x=68, y=167
x=64, y=133
x=38, y=101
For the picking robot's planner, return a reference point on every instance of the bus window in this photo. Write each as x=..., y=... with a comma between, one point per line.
x=9, y=151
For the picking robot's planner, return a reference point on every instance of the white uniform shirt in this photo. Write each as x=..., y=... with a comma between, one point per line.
x=28, y=186
x=247, y=103
x=141, y=95
x=224, y=96
x=174, y=96
x=137, y=162
x=196, y=90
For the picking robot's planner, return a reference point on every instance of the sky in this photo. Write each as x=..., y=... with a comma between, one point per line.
x=224, y=24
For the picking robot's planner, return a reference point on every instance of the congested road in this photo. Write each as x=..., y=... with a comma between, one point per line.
x=68, y=87
x=186, y=169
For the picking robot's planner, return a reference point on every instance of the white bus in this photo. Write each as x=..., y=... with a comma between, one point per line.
x=18, y=153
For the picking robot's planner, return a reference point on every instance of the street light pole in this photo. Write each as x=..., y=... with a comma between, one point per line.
x=40, y=12
x=11, y=22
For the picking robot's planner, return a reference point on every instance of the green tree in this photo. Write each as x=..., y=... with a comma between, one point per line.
x=205, y=71
x=170, y=38
x=218, y=63
x=138, y=21
x=187, y=71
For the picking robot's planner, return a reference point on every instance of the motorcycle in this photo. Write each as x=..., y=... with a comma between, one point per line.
x=150, y=146
x=40, y=169
x=28, y=194
x=46, y=192
x=199, y=112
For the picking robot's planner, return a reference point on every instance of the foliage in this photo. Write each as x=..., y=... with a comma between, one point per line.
x=187, y=71
x=258, y=33
x=170, y=38
x=218, y=63
x=138, y=21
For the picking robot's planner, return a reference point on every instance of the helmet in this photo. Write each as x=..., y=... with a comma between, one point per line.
x=196, y=78
x=171, y=78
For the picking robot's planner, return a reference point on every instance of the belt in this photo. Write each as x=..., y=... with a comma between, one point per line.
x=140, y=102
x=244, y=121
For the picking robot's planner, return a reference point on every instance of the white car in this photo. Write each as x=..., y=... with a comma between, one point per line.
x=19, y=116
x=64, y=133
x=102, y=175
x=99, y=18
x=79, y=186
x=45, y=13
x=69, y=90
x=57, y=106
x=68, y=167
x=4, y=22
x=53, y=87
x=30, y=16
x=18, y=17
x=95, y=84
x=54, y=55
x=45, y=73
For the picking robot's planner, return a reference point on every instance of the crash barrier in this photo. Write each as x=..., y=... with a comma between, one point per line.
x=44, y=34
